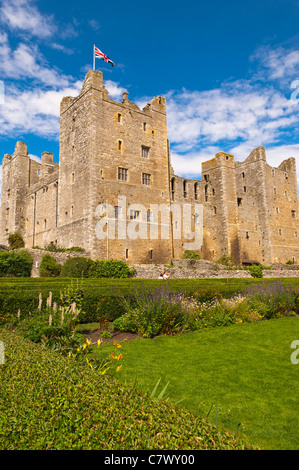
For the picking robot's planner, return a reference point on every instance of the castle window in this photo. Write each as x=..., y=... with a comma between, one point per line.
x=277, y=210
x=134, y=215
x=206, y=193
x=213, y=191
x=72, y=210
x=118, y=117
x=243, y=174
x=7, y=212
x=240, y=202
x=146, y=179
x=279, y=231
x=226, y=157
x=195, y=191
x=172, y=186
x=123, y=174
x=206, y=177
x=275, y=190
x=247, y=235
x=286, y=176
x=144, y=151
x=45, y=224
x=8, y=193
x=293, y=213
x=215, y=209
x=127, y=253
x=149, y=216
x=244, y=189
x=119, y=145
x=150, y=254
x=117, y=212
x=144, y=126
x=286, y=194
x=273, y=172
x=73, y=177
x=185, y=188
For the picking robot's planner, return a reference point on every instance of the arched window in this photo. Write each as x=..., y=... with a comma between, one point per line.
x=185, y=188
x=172, y=187
x=195, y=191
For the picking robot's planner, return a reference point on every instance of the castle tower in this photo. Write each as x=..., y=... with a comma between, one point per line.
x=112, y=152
x=15, y=180
x=221, y=234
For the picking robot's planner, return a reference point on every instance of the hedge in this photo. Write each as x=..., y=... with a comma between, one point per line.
x=81, y=266
x=100, y=296
x=15, y=264
x=48, y=266
x=51, y=402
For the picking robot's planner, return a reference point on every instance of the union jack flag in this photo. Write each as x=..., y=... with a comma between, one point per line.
x=100, y=55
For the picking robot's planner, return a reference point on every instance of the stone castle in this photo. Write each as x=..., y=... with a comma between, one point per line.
x=110, y=152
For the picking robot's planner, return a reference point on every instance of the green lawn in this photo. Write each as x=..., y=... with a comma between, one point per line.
x=243, y=371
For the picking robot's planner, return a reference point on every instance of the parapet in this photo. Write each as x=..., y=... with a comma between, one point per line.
x=288, y=165
x=21, y=149
x=258, y=153
x=93, y=79
x=220, y=159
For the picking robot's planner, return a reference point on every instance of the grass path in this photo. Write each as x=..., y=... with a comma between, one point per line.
x=243, y=372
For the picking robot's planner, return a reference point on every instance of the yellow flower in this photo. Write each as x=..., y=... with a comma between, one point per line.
x=118, y=368
x=88, y=342
x=116, y=345
x=99, y=342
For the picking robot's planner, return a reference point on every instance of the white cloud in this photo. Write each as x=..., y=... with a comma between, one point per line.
x=237, y=110
x=277, y=64
x=26, y=62
x=22, y=15
x=34, y=111
x=114, y=89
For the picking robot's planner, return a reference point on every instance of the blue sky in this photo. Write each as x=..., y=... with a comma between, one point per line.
x=229, y=71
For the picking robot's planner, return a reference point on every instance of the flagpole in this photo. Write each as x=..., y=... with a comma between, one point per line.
x=94, y=66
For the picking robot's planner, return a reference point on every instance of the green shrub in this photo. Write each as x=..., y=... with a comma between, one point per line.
x=14, y=264
x=256, y=271
x=189, y=254
x=77, y=267
x=225, y=260
x=273, y=300
x=154, y=311
x=110, y=269
x=54, y=248
x=15, y=240
x=48, y=267
x=126, y=324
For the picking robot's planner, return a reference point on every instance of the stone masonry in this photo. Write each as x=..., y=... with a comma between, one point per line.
x=115, y=167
